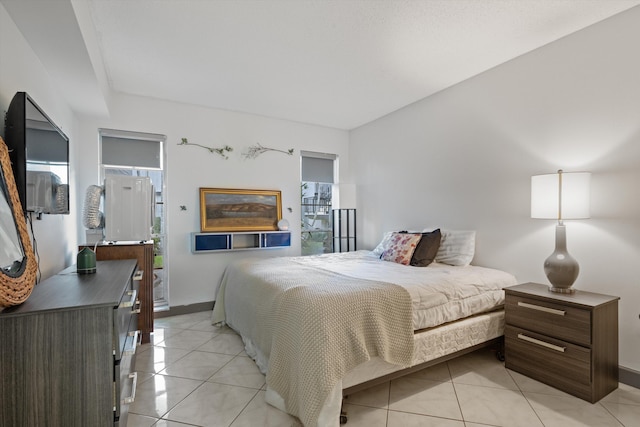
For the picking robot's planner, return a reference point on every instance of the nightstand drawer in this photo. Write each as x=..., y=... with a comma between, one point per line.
x=555, y=362
x=560, y=321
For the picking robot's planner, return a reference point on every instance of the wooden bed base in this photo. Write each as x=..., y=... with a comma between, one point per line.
x=497, y=343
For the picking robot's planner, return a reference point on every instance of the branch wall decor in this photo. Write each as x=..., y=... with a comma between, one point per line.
x=255, y=150
x=220, y=151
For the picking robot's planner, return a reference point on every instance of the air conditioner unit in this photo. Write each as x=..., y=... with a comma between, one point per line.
x=129, y=208
x=42, y=190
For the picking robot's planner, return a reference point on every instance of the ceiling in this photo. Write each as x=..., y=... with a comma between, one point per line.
x=336, y=63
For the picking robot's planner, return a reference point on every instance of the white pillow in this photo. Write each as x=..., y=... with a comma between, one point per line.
x=384, y=244
x=457, y=247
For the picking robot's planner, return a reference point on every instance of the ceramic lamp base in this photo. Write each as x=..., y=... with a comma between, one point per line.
x=561, y=268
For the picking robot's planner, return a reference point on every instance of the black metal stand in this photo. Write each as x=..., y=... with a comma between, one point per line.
x=344, y=230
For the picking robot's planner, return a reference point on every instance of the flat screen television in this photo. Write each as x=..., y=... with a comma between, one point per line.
x=39, y=153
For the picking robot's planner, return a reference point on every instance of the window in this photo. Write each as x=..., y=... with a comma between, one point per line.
x=315, y=200
x=142, y=154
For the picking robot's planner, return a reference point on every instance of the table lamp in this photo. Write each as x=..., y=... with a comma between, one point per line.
x=561, y=196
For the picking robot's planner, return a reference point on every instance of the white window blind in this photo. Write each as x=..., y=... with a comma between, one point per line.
x=132, y=152
x=317, y=167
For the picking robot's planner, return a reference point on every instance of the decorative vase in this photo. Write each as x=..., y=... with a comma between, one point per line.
x=561, y=268
x=86, y=261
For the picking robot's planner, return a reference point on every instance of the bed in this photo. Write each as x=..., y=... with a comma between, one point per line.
x=320, y=327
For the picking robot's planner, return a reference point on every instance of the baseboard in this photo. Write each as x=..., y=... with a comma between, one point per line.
x=629, y=376
x=185, y=309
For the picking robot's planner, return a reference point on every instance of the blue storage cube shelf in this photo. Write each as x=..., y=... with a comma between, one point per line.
x=216, y=242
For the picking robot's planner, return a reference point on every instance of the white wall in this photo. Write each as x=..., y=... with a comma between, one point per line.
x=463, y=159
x=22, y=71
x=194, y=278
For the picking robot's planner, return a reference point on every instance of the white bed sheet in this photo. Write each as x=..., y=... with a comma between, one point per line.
x=440, y=293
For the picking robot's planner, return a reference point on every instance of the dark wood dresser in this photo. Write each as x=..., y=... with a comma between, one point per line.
x=143, y=252
x=68, y=352
x=568, y=341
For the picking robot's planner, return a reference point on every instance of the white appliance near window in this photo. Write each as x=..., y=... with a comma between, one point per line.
x=128, y=208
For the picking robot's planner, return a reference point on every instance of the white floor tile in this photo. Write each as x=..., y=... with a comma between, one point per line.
x=260, y=413
x=241, y=371
x=159, y=334
x=212, y=405
x=183, y=321
x=375, y=397
x=530, y=385
x=628, y=415
x=624, y=394
x=495, y=406
x=403, y=419
x=481, y=368
x=157, y=358
x=197, y=365
x=468, y=424
x=365, y=416
x=161, y=393
x=204, y=325
x=424, y=397
x=223, y=343
x=167, y=423
x=474, y=390
x=569, y=411
x=187, y=339
x=135, y=420
x=438, y=372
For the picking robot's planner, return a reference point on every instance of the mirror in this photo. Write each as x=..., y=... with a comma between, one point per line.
x=18, y=267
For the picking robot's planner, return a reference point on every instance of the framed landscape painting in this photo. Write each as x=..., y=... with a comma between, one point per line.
x=223, y=209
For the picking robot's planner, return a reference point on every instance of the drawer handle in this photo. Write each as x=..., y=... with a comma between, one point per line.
x=541, y=308
x=138, y=275
x=134, y=296
x=131, y=302
x=134, y=385
x=541, y=343
x=137, y=307
x=136, y=341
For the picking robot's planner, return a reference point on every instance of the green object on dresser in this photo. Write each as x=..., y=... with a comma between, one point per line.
x=86, y=261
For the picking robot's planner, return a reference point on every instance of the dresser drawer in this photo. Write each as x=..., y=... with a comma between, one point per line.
x=560, y=321
x=555, y=362
x=126, y=383
x=126, y=318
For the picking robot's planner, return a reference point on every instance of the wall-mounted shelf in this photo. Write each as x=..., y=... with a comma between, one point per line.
x=217, y=242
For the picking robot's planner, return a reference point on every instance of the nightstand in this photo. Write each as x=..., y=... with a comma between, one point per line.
x=568, y=341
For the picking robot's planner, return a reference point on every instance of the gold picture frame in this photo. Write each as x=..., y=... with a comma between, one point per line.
x=224, y=209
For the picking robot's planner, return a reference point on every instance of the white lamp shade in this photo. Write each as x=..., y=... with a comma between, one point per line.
x=576, y=189
x=343, y=196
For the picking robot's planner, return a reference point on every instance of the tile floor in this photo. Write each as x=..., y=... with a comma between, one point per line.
x=194, y=374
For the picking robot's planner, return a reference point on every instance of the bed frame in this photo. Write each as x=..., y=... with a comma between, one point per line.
x=496, y=343
x=431, y=346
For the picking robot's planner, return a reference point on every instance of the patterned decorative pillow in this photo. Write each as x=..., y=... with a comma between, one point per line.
x=383, y=245
x=401, y=247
